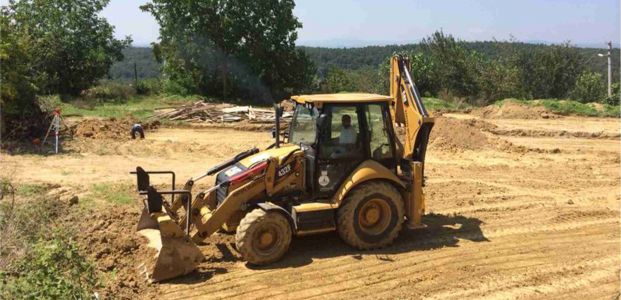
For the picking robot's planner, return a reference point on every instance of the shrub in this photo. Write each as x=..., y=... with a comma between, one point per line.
x=109, y=91
x=51, y=269
x=39, y=260
x=589, y=87
x=149, y=87
x=616, y=96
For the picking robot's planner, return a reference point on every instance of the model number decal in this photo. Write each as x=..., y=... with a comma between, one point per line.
x=284, y=170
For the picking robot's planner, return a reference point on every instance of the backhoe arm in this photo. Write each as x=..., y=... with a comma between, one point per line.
x=408, y=111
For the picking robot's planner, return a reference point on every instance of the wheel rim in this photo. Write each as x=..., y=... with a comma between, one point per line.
x=374, y=216
x=266, y=239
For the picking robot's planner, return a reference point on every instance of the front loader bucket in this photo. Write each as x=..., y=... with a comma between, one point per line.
x=171, y=252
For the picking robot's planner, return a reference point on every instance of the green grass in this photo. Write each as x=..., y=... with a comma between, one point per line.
x=111, y=193
x=568, y=107
x=30, y=190
x=436, y=104
x=138, y=106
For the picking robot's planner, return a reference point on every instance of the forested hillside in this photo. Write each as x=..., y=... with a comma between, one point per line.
x=146, y=65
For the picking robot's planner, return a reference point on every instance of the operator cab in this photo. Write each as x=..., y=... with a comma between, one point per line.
x=337, y=133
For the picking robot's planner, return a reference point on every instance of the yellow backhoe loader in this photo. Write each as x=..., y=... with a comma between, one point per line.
x=340, y=167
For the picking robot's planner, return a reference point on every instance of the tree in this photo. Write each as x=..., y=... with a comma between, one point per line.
x=18, y=88
x=550, y=72
x=71, y=46
x=337, y=80
x=424, y=73
x=456, y=66
x=498, y=80
x=240, y=48
x=589, y=87
x=17, y=77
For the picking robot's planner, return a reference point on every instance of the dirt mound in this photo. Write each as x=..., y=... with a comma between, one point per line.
x=556, y=133
x=454, y=134
x=472, y=134
x=109, y=238
x=107, y=128
x=513, y=110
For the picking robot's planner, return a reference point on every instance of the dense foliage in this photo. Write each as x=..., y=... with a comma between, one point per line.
x=51, y=269
x=18, y=88
x=589, y=87
x=71, y=47
x=372, y=56
x=50, y=47
x=477, y=72
x=445, y=67
x=39, y=257
x=242, y=49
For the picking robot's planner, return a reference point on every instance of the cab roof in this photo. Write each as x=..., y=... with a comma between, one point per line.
x=340, y=98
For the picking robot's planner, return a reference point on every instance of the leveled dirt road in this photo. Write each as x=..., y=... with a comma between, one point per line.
x=516, y=223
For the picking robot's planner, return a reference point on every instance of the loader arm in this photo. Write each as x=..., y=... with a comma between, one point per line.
x=408, y=111
x=208, y=220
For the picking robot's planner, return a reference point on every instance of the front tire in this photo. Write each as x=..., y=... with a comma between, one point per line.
x=263, y=237
x=371, y=215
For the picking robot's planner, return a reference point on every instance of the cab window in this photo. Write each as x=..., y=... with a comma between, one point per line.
x=303, y=126
x=379, y=138
x=343, y=136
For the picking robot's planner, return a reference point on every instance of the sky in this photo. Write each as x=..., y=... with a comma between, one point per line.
x=351, y=23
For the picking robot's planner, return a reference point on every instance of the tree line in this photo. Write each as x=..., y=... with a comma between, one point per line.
x=247, y=50
x=476, y=72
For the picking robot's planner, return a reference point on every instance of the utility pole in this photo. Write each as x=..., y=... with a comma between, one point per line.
x=609, y=56
x=136, y=76
x=610, y=69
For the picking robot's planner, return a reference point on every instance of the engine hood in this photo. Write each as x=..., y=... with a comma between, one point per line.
x=281, y=152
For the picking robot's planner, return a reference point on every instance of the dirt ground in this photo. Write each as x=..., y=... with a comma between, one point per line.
x=517, y=208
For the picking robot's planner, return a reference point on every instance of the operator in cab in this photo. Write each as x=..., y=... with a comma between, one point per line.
x=347, y=139
x=348, y=133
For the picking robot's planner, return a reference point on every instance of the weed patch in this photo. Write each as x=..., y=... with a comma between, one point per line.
x=112, y=193
x=52, y=268
x=39, y=258
x=30, y=190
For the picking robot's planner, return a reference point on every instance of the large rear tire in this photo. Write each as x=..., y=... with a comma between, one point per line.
x=263, y=237
x=371, y=215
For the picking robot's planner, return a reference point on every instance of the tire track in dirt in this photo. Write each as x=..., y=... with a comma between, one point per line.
x=332, y=271
x=504, y=259
x=439, y=241
x=375, y=271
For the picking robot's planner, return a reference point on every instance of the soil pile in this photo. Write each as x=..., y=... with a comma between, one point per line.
x=454, y=134
x=107, y=128
x=471, y=134
x=513, y=110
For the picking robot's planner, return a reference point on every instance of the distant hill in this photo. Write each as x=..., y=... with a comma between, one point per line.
x=146, y=65
x=351, y=58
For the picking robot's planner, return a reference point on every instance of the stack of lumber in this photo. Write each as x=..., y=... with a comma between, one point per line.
x=219, y=113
